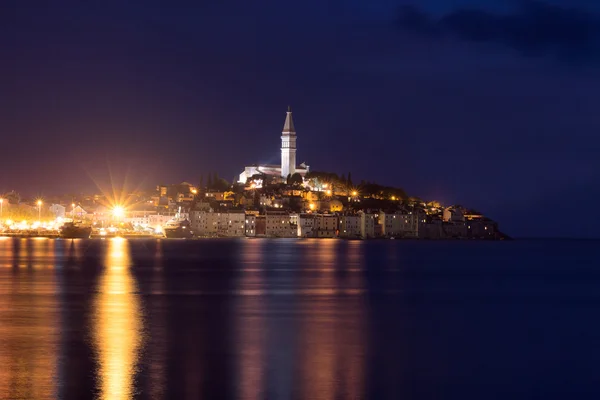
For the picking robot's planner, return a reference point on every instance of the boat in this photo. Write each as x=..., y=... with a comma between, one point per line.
x=71, y=230
x=178, y=229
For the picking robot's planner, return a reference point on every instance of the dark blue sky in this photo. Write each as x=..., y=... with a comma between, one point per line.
x=491, y=104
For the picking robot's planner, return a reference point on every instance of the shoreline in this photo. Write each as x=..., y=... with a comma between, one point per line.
x=126, y=236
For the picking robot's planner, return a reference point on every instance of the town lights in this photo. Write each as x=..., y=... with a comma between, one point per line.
x=328, y=192
x=354, y=193
x=311, y=206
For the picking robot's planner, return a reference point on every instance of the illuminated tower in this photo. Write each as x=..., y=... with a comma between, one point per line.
x=288, y=146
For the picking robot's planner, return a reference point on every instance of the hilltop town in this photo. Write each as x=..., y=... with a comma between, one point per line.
x=286, y=200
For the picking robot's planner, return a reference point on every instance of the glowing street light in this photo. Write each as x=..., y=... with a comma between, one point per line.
x=354, y=193
x=311, y=206
x=328, y=192
x=39, y=204
x=118, y=212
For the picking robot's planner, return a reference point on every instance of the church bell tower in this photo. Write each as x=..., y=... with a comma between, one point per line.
x=288, y=146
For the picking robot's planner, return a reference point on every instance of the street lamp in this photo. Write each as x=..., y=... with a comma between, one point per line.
x=39, y=203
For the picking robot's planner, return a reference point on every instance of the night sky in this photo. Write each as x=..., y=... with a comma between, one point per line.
x=490, y=104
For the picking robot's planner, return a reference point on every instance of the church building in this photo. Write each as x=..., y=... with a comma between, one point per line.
x=288, y=156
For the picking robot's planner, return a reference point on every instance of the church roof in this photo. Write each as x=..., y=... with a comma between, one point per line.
x=288, y=126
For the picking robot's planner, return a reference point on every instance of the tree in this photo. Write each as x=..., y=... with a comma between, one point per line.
x=209, y=183
x=343, y=180
x=295, y=179
x=221, y=185
x=201, y=183
x=215, y=178
x=350, y=179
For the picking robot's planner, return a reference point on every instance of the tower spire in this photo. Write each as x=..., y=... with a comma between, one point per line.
x=288, y=126
x=288, y=146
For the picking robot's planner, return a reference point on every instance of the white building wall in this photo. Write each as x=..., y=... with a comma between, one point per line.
x=306, y=225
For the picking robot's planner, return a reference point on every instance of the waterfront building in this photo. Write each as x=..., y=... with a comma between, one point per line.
x=350, y=226
x=402, y=224
x=204, y=222
x=430, y=228
x=250, y=225
x=294, y=218
x=261, y=225
x=326, y=225
x=306, y=225
x=481, y=228
x=278, y=224
x=454, y=229
x=230, y=223
x=367, y=225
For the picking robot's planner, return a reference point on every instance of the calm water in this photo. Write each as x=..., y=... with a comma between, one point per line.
x=299, y=319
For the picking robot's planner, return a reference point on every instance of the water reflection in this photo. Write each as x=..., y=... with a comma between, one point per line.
x=29, y=310
x=250, y=326
x=117, y=324
x=331, y=325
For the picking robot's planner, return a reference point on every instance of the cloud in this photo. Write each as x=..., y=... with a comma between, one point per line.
x=535, y=28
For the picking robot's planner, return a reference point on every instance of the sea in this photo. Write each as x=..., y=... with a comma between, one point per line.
x=299, y=319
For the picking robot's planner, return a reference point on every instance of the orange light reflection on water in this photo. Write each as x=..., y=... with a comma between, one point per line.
x=117, y=324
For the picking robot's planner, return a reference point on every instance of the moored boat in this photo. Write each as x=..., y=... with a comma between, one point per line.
x=178, y=229
x=70, y=230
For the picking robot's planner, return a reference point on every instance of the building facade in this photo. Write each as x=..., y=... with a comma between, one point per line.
x=367, y=225
x=326, y=225
x=401, y=224
x=278, y=224
x=306, y=225
x=350, y=226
